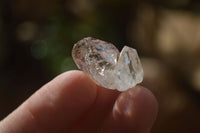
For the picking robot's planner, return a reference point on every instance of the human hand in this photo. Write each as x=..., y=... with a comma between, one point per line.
x=72, y=103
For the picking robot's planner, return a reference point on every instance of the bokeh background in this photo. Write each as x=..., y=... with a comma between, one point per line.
x=36, y=39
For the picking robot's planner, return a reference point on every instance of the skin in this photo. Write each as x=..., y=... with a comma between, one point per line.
x=72, y=103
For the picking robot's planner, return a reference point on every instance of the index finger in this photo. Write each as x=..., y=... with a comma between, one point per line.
x=54, y=107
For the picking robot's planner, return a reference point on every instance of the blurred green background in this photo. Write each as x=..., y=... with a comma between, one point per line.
x=36, y=39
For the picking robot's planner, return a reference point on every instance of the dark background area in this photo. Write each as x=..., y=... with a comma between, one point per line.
x=37, y=36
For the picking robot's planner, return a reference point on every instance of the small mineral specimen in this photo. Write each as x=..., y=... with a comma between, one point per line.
x=108, y=68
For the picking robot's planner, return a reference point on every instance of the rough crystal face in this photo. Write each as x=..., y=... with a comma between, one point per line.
x=103, y=63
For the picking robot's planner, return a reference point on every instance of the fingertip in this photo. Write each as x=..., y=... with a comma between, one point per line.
x=134, y=111
x=69, y=85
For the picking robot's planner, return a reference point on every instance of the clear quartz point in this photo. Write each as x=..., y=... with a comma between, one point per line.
x=103, y=63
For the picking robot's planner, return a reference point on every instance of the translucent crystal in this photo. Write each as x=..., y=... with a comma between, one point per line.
x=103, y=63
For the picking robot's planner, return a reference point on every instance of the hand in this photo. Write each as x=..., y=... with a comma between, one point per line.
x=72, y=103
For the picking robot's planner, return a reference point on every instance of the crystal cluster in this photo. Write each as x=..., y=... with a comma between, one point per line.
x=103, y=63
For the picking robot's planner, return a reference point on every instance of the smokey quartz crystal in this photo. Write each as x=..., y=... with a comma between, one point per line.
x=108, y=68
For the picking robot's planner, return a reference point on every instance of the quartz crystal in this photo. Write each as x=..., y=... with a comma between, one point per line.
x=108, y=68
